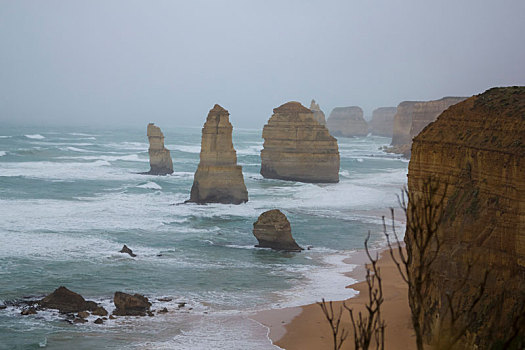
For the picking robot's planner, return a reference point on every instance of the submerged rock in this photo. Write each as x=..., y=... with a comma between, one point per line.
x=98, y=321
x=218, y=178
x=272, y=229
x=347, y=122
x=159, y=157
x=126, y=250
x=297, y=148
x=131, y=305
x=67, y=301
x=318, y=113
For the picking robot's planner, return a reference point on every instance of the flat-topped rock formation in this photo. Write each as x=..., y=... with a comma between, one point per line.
x=298, y=148
x=218, y=178
x=347, y=122
x=382, y=123
x=272, y=229
x=477, y=149
x=412, y=117
x=159, y=157
x=318, y=113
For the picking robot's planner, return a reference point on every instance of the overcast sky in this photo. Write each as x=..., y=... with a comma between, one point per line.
x=132, y=62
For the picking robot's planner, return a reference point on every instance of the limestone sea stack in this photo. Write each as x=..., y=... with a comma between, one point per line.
x=298, y=148
x=477, y=148
x=382, y=123
x=412, y=117
x=318, y=113
x=159, y=157
x=272, y=229
x=347, y=122
x=218, y=178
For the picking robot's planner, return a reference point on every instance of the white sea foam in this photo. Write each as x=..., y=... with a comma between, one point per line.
x=35, y=136
x=2, y=153
x=75, y=149
x=150, y=185
x=185, y=148
x=80, y=134
x=4, y=137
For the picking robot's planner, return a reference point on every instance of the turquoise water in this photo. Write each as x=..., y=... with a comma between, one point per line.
x=70, y=198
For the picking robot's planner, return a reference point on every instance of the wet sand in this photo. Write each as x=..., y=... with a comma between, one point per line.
x=306, y=328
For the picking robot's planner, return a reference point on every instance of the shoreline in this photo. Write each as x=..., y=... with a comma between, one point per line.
x=305, y=327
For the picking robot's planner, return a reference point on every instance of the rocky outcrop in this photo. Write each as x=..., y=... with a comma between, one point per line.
x=272, y=229
x=476, y=151
x=126, y=250
x=347, y=122
x=218, y=178
x=67, y=301
x=318, y=113
x=297, y=148
x=159, y=157
x=382, y=123
x=130, y=305
x=412, y=117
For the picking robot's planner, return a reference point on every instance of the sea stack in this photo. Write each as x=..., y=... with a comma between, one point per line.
x=272, y=229
x=347, y=122
x=476, y=149
x=298, y=148
x=382, y=123
x=318, y=113
x=218, y=178
x=159, y=157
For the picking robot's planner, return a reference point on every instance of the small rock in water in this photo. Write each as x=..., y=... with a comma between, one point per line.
x=111, y=317
x=83, y=314
x=28, y=311
x=125, y=249
x=150, y=314
x=165, y=299
x=99, y=321
x=99, y=311
x=130, y=305
x=79, y=320
x=182, y=304
x=162, y=311
x=2, y=307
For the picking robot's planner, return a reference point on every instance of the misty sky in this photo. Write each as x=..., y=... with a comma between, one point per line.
x=132, y=62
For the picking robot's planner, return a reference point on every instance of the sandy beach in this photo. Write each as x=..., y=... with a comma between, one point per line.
x=306, y=327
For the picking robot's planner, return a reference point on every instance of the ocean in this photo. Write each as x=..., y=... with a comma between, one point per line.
x=70, y=198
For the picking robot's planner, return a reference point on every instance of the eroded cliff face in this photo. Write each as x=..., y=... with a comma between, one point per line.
x=425, y=113
x=159, y=157
x=347, y=122
x=382, y=122
x=412, y=117
x=298, y=148
x=477, y=149
x=218, y=178
x=318, y=113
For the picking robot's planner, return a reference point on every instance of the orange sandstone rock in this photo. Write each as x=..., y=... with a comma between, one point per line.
x=477, y=148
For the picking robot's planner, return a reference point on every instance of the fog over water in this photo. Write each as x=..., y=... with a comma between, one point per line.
x=125, y=62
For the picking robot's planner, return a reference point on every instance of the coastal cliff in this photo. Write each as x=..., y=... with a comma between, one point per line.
x=159, y=157
x=382, y=123
x=218, y=178
x=318, y=113
x=298, y=148
x=476, y=149
x=347, y=122
x=412, y=117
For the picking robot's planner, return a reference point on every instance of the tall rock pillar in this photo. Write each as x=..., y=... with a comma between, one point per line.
x=218, y=178
x=159, y=157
